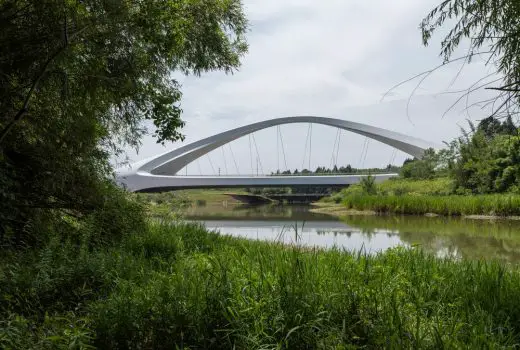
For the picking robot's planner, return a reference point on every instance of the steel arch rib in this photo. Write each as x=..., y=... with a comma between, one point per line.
x=169, y=163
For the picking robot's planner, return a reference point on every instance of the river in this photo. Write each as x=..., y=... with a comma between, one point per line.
x=446, y=237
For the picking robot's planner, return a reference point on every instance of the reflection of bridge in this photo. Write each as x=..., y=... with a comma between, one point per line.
x=159, y=173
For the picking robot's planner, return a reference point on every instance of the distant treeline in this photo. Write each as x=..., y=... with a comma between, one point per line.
x=341, y=170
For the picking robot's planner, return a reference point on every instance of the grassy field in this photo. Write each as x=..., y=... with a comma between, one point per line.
x=180, y=286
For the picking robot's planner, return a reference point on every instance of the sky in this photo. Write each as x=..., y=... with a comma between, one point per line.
x=333, y=58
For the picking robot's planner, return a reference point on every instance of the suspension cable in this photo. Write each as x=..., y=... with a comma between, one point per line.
x=277, y=150
x=283, y=148
x=305, y=148
x=225, y=163
x=234, y=160
x=362, y=151
x=366, y=152
x=251, y=155
x=334, y=148
x=198, y=166
x=310, y=148
x=392, y=157
x=337, y=150
x=211, y=163
x=258, y=154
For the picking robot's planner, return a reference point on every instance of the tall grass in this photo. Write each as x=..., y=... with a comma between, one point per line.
x=456, y=205
x=180, y=286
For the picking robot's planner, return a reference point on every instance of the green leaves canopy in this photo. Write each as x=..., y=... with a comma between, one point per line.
x=79, y=77
x=113, y=60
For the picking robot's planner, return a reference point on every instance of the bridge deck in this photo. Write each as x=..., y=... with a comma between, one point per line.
x=148, y=182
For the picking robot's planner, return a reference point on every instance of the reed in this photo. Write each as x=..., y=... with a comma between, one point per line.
x=180, y=286
x=450, y=205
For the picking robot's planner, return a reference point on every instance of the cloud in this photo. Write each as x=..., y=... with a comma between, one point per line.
x=333, y=58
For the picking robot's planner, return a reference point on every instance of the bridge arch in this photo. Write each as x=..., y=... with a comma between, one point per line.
x=171, y=162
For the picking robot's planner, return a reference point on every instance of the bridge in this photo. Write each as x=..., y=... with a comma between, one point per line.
x=161, y=172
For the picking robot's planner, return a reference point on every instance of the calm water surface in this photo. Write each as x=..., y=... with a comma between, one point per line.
x=457, y=238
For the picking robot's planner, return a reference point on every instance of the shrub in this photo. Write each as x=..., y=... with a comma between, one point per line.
x=368, y=184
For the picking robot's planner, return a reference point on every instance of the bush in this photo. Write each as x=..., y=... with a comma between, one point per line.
x=116, y=215
x=368, y=184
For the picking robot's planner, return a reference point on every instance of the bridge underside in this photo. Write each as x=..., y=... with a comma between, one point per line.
x=170, y=183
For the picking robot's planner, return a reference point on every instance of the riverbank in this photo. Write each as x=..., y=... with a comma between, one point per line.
x=174, y=204
x=183, y=286
x=420, y=197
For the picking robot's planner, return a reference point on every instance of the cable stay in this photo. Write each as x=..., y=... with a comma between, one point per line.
x=362, y=152
x=211, y=163
x=251, y=155
x=225, y=163
x=310, y=147
x=306, y=144
x=332, y=160
x=234, y=160
x=392, y=157
x=198, y=166
x=283, y=148
x=366, y=152
x=337, y=149
x=258, y=156
x=277, y=150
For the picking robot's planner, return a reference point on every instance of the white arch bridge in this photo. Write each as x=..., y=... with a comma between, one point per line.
x=161, y=172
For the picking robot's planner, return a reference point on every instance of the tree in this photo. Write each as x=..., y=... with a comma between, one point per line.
x=486, y=160
x=423, y=168
x=492, y=27
x=77, y=80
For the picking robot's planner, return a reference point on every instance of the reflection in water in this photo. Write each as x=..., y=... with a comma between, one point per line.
x=446, y=237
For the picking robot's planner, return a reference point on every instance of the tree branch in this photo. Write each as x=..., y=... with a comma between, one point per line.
x=19, y=115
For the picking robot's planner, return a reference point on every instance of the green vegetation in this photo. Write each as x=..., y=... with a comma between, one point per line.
x=80, y=267
x=477, y=175
x=398, y=187
x=172, y=205
x=321, y=170
x=419, y=197
x=180, y=286
x=78, y=79
x=496, y=205
x=460, y=238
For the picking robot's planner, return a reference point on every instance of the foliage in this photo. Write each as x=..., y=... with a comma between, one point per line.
x=180, y=286
x=398, y=186
x=368, y=184
x=486, y=159
x=499, y=205
x=424, y=168
x=419, y=197
x=492, y=27
x=339, y=170
x=79, y=78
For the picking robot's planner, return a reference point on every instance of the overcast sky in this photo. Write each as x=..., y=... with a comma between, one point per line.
x=332, y=58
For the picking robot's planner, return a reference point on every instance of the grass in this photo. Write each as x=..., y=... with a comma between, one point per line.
x=419, y=197
x=180, y=286
x=453, y=205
